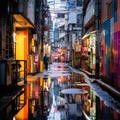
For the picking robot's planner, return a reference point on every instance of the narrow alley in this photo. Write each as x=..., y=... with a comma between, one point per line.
x=59, y=59
x=74, y=96
x=61, y=93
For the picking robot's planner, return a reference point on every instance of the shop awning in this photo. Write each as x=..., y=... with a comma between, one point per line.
x=88, y=34
x=22, y=22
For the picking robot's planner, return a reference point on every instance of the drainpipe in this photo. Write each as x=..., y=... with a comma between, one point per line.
x=97, y=22
x=42, y=35
x=97, y=70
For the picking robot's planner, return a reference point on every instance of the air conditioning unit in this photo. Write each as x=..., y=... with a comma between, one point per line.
x=66, y=17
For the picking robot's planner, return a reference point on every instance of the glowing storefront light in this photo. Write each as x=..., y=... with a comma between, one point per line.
x=14, y=36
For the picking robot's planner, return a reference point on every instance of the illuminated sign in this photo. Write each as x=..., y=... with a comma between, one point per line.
x=71, y=3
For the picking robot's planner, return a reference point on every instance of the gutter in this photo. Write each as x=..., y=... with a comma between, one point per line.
x=110, y=88
x=103, y=84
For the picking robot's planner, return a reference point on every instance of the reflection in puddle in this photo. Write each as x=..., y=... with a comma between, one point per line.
x=7, y=111
x=96, y=104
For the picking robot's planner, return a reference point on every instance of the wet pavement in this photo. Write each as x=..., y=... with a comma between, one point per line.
x=65, y=77
x=43, y=98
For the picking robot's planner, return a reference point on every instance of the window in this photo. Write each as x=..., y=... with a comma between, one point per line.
x=79, y=20
x=79, y=3
x=61, y=15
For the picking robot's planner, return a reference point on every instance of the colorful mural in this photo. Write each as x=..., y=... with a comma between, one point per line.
x=106, y=49
x=117, y=59
x=110, y=54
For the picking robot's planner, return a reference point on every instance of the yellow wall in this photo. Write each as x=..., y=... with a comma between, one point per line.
x=20, y=46
x=23, y=113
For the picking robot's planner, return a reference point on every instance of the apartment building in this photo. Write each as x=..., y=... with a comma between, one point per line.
x=67, y=22
x=100, y=41
x=21, y=26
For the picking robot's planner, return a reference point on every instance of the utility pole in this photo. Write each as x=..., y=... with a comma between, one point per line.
x=42, y=30
x=69, y=41
x=97, y=15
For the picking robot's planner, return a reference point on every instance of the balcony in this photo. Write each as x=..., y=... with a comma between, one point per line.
x=12, y=87
x=13, y=73
x=12, y=103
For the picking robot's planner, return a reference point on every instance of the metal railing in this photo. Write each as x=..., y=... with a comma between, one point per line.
x=12, y=72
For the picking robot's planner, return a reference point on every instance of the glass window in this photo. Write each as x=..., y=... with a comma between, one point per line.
x=79, y=20
x=79, y=3
x=61, y=15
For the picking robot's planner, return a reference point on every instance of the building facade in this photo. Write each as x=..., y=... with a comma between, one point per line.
x=22, y=37
x=88, y=60
x=100, y=41
x=67, y=17
x=110, y=42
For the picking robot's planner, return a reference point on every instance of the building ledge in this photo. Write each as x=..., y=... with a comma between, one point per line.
x=110, y=88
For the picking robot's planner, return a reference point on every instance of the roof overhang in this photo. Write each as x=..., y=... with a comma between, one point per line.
x=22, y=22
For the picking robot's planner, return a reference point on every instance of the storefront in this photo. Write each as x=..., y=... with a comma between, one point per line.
x=34, y=63
x=77, y=54
x=34, y=56
x=22, y=37
x=88, y=52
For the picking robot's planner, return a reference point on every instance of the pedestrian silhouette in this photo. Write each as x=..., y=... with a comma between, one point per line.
x=46, y=62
